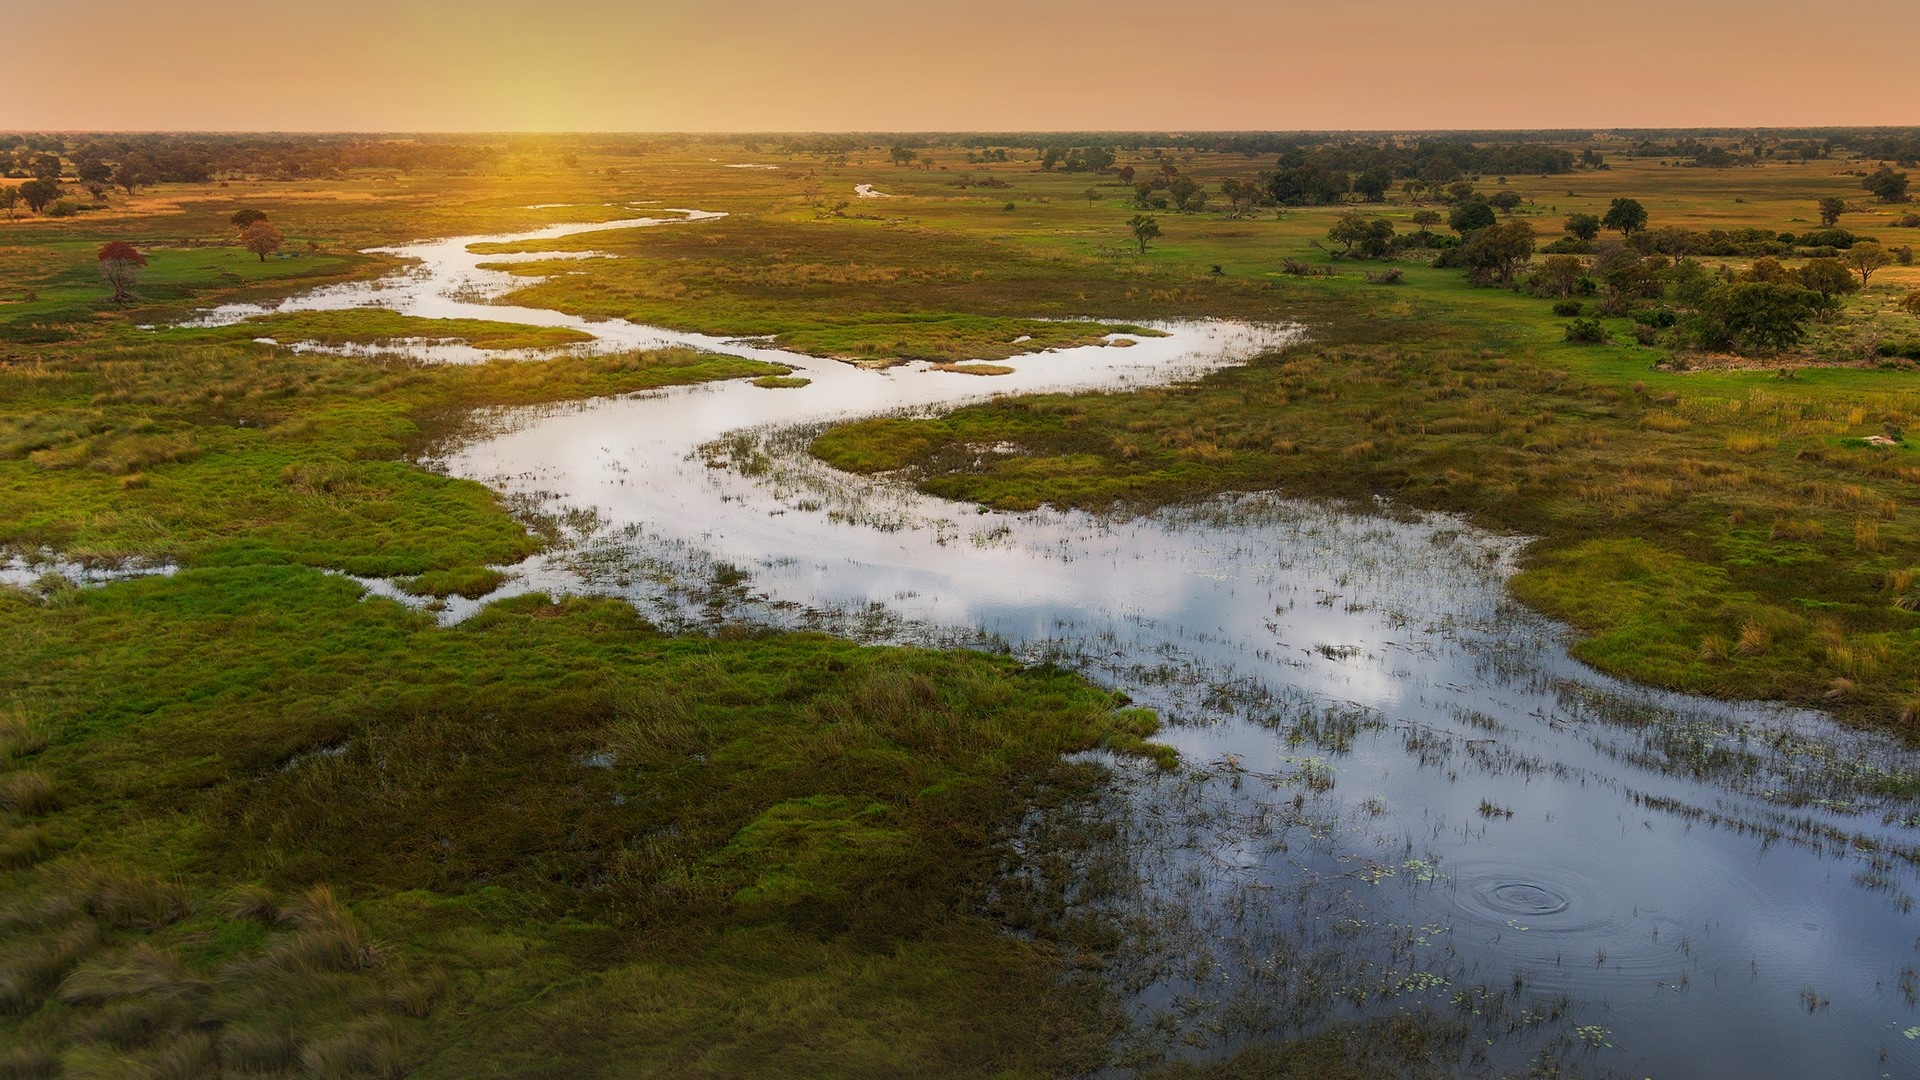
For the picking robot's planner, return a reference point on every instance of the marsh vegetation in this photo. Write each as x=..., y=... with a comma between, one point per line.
x=526, y=684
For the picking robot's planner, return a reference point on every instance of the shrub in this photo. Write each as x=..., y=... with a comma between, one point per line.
x=63, y=208
x=1827, y=238
x=1568, y=309
x=1586, y=332
x=1386, y=277
x=1911, y=302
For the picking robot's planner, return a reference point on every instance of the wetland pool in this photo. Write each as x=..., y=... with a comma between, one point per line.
x=1398, y=793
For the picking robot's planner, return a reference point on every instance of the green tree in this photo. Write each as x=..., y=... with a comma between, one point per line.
x=1865, y=258
x=1887, y=185
x=1583, y=226
x=37, y=193
x=1761, y=315
x=131, y=175
x=1626, y=216
x=1144, y=228
x=9, y=198
x=1831, y=208
x=1504, y=201
x=1182, y=190
x=1375, y=237
x=1374, y=183
x=1497, y=252
x=1470, y=216
x=1424, y=220
x=1559, y=276
x=1826, y=277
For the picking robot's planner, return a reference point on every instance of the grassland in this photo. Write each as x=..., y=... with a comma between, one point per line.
x=252, y=822
x=372, y=327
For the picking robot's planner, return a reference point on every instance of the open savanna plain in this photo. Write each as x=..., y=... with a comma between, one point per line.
x=254, y=823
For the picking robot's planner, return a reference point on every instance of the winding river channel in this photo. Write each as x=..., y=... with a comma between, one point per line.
x=1398, y=792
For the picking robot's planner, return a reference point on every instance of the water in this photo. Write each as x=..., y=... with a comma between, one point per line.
x=1399, y=792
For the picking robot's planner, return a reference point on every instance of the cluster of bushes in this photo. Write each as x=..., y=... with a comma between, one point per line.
x=1682, y=304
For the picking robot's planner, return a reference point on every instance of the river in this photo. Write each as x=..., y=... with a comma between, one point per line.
x=1398, y=791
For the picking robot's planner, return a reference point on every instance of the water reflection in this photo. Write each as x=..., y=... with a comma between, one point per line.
x=1400, y=794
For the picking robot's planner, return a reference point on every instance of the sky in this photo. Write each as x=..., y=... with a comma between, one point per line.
x=901, y=65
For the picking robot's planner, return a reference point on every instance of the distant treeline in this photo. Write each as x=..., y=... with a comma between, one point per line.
x=1312, y=157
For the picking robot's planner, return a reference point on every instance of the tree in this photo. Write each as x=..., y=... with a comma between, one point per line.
x=1887, y=185
x=1183, y=191
x=1470, y=216
x=1497, y=252
x=1583, y=226
x=1826, y=277
x=1865, y=258
x=1626, y=216
x=130, y=174
x=1144, y=229
x=1504, y=201
x=9, y=198
x=1911, y=302
x=245, y=217
x=1831, y=208
x=262, y=239
x=1374, y=183
x=1425, y=219
x=902, y=155
x=1124, y=174
x=38, y=193
x=93, y=171
x=1348, y=230
x=120, y=265
x=1241, y=195
x=1559, y=276
x=1762, y=315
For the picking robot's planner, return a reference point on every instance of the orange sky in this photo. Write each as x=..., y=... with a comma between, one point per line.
x=764, y=65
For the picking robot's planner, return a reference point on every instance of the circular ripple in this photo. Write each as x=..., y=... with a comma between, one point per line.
x=1522, y=898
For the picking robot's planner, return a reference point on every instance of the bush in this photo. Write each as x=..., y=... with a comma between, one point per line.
x=1386, y=277
x=1903, y=254
x=1828, y=238
x=63, y=208
x=1586, y=332
x=1911, y=302
x=1568, y=309
x=1908, y=221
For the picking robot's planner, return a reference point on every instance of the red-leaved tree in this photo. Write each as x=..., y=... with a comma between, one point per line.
x=120, y=264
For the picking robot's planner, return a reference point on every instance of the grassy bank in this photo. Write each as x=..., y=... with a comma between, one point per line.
x=253, y=824
x=549, y=839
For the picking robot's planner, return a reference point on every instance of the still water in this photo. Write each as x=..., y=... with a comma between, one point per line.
x=1398, y=792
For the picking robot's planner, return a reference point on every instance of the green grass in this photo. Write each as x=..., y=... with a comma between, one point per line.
x=602, y=842
x=249, y=818
x=369, y=326
x=246, y=454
